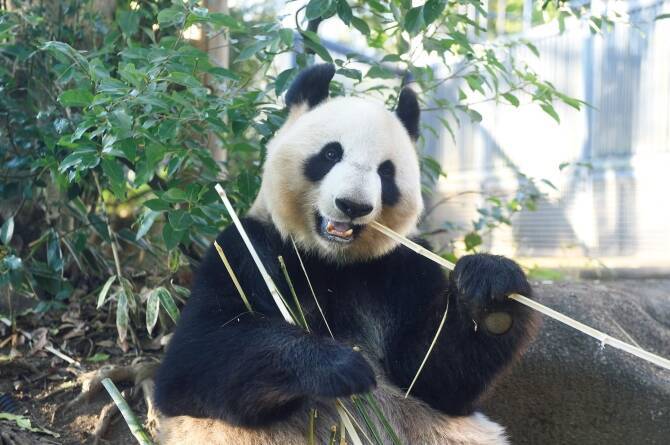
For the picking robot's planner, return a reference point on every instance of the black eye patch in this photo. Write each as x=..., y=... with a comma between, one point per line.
x=390, y=192
x=317, y=166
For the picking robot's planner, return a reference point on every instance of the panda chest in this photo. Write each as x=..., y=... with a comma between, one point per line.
x=359, y=314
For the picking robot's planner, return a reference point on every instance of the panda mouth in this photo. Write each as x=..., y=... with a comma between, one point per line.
x=338, y=231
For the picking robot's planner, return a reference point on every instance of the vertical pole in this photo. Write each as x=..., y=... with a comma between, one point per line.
x=501, y=10
x=219, y=54
x=527, y=14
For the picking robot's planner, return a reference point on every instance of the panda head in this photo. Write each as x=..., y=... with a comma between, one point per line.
x=338, y=164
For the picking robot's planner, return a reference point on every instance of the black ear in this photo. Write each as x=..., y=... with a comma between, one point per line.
x=408, y=112
x=311, y=86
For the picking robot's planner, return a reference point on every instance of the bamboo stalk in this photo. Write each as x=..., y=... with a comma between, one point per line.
x=129, y=416
x=302, y=318
x=233, y=277
x=276, y=296
x=598, y=335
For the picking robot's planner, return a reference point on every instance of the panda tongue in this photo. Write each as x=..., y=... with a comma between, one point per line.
x=340, y=226
x=340, y=229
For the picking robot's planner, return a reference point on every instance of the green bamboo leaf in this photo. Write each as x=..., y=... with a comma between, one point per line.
x=168, y=17
x=312, y=41
x=122, y=315
x=316, y=8
x=7, y=230
x=344, y=11
x=153, y=305
x=148, y=219
x=168, y=303
x=414, y=20
x=511, y=98
x=102, y=296
x=360, y=25
x=432, y=10
x=79, y=97
x=549, y=109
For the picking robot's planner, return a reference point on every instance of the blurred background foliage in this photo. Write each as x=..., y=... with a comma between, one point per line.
x=115, y=124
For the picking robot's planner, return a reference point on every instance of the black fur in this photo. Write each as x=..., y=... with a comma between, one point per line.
x=310, y=86
x=254, y=368
x=390, y=191
x=408, y=112
x=317, y=166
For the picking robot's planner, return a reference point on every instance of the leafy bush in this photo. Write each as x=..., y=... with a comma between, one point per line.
x=111, y=128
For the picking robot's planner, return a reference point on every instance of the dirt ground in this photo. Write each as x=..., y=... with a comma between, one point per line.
x=567, y=389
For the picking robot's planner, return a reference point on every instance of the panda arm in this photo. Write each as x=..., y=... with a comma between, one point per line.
x=248, y=369
x=468, y=355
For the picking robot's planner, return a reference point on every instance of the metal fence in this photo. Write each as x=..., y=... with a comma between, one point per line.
x=618, y=210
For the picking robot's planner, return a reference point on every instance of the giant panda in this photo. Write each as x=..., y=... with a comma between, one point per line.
x=236, y=377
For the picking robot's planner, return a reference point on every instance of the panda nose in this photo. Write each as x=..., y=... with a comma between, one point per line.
x=352, y=209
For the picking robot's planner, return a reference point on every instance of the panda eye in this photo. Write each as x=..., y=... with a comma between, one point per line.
x=332, y=152
x=386, y=169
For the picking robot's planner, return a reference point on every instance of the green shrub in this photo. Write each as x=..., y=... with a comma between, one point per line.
x=108, y=124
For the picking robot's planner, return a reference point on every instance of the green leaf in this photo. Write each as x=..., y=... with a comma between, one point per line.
x=122, y=315
x=171, y=236
x=184, y=79
x=129, y=22
x=316, y=8
x=511, y=98
x=80, y=97
x=167, y=302
x=153, y=306
x=251, y=50
x=344, y=11
x=286, y=36
x=54, y=253
x=432, y=10
x=313, y=42
x=350, y=73
x=282, y=80
x=157, y=204
x=414, y=20
x=549, y=109
x=7, y=230
x=179, y=219
x=549, y=183
x=175, y=195
x=168, y=17
x=360, y=25
x=114, y=173
x=225, y=20
x=472, y=240
x=66, y=50
x=147, y=221
x=380, y=72
x=102, y=296
x=663, y=16
x=98, y=357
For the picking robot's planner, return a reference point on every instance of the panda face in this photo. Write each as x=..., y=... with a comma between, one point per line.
x=335, y=168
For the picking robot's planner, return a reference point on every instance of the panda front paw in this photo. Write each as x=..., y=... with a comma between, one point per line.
x=483, y=282
x=341, y=372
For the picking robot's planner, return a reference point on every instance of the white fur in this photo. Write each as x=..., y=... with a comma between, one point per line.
x=369, y=134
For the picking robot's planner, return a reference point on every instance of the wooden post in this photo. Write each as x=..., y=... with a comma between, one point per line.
x=219, y=54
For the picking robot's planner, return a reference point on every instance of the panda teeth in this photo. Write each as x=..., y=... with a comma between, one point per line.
x=331, y=229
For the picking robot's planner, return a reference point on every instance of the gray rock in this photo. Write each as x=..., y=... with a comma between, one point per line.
x=568, y=389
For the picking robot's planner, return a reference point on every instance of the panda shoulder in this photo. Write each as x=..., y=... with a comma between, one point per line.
x=263, y=236
x=416, y=267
